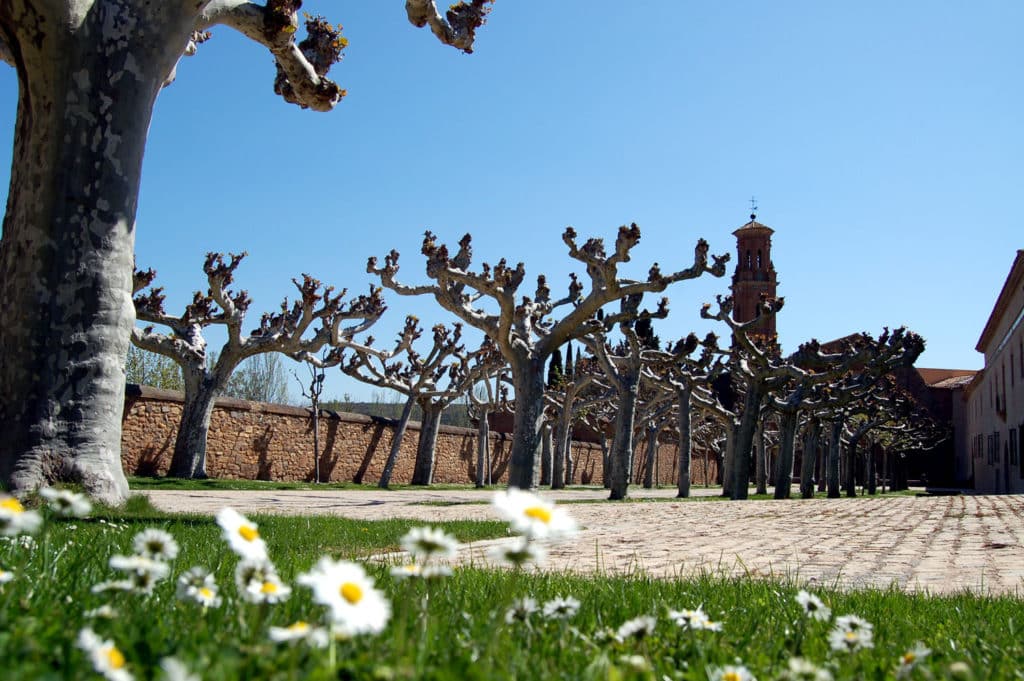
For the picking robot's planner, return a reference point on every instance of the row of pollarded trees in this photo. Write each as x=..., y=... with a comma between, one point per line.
x=625, y=383
x=520, y=337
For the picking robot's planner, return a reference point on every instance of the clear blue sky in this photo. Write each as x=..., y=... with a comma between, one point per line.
x=882, y=141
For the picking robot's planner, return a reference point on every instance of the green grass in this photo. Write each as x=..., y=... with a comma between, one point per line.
x=455, y=628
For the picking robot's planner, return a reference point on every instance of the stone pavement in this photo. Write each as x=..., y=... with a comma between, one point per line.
x=939, y=544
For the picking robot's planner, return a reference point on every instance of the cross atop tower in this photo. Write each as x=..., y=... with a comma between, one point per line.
x=753, y=208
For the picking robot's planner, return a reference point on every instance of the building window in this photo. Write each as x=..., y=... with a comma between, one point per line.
x=748, y=259
x=759, y=258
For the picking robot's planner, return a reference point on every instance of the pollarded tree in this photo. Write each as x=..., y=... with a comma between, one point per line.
x=756, y=367
x=89, y=72
x=488, y=395
x=568, y=400
x=285, y=331
x=524, y=330
x=685, y=379
x=432, y=381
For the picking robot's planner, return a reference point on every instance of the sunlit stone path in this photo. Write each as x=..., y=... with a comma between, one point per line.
x=939, y=544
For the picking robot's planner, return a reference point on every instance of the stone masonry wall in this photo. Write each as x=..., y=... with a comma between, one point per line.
x=255, y=441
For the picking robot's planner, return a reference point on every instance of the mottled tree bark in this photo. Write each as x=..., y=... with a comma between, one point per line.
x=562, y=442
x=784, y=464
x=809, y=462
x=423, y=469
x=88, y=73
x=528, y=379
x=622, y=443
x=546, y=450
x=396, y=443
x=189, y=457
x=652, y=455
x=683, y=414
x=761, y=462
x=483, y=450
x=745, y=440
x=832, y=463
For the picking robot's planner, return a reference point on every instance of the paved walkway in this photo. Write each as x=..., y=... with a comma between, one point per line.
x=939, y=544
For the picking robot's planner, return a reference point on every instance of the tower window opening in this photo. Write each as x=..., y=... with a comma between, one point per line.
x=759, y=258
x=748, y=259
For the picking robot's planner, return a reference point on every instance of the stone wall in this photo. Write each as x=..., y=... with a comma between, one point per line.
x=255, y=441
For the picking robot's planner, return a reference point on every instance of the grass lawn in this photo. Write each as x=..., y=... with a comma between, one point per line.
x=456, y=627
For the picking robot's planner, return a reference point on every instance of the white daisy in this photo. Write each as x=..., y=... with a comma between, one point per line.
x=427, y=543
x=156, y=544
x=257, y=582
x=104, y=612
x=730, y=672
x=270, y=590
x=140, y=564
x=415, y=570
x=5, y=576
x=106, y=658
x=683, y=617
x=175, y=670
x=910, y=659
x=518, y=552
x=300, y=631
x=521, y=610
x=637, y=628
x=241, y=534
x=15, y=520
x=561, y=608
x=800, y=669
x=66, y=503
x=197, y=585
x=356, y=606
x=532, y=516
x=813, y=606
x=848, y=640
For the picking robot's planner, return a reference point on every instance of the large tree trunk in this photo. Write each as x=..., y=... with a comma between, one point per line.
x=685, y=443
x=622, y=443
x=832, y=465
x=396, y=443
x=88, y=74
x=545, y=453
x=872, y=471
x=423, y=470
x=727, y=457
x=850, y=479
x=650, y=464
x=784, y=463
x=483, y=450
x=189, y=457
x=761, y=465
x=562, y=434
x=809, y=462
x=745, y=441
x=528, y=380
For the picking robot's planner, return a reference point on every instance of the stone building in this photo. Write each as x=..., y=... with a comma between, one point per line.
x=754, y=277
x=995, y=398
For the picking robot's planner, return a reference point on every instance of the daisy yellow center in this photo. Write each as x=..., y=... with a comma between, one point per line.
x=731, y=676
x=206, y=592
x=248, y=532
x=908, y=658
x=12, y=504
x=114, y=658
x=299, y=626
x=269, y=588
x=352, y=593
x=538, y=513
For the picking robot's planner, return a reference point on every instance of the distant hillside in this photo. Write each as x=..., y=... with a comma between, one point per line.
x=455, y=415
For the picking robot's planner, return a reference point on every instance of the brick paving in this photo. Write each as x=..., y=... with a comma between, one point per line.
x=938, y=544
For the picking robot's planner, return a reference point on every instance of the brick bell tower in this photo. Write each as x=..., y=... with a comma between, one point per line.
x=754, y=276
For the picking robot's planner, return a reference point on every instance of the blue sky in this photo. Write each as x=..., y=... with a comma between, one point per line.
x=882, y=141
